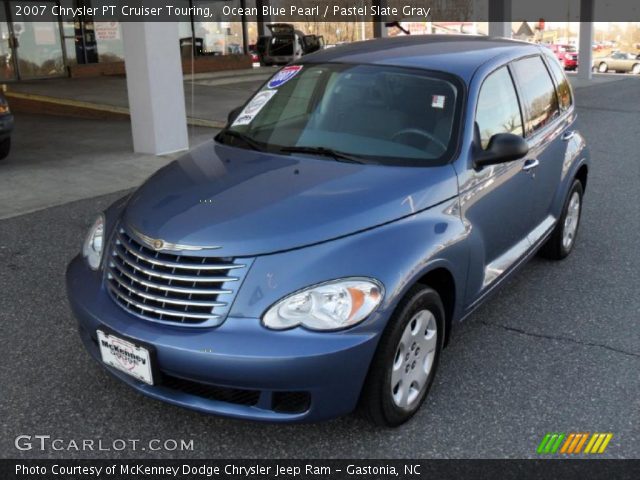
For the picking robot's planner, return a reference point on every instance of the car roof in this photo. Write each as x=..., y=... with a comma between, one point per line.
x=461, y=55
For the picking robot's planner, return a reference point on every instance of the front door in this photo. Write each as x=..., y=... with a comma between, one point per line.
x=35, y=47
x=495, y=200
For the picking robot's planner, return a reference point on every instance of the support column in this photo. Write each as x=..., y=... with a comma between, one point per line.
x=154, y=87
x=585, y=54
x=379, y=29
x=245, y=36
x=500, y=18
x=261, y=19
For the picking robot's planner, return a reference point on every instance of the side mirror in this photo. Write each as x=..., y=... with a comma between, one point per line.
x=502, y=148
x=233, y=114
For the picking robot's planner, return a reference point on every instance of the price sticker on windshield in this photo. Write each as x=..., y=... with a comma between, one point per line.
x=437, y=101
x=253, y=107
x=284, y=75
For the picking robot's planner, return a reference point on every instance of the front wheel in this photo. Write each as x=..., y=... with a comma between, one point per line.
x=563, y=238
x=603, y=68
x=636, y=69
x=405, y=363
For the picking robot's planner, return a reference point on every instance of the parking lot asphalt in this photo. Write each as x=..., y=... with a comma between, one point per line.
x=557, y=350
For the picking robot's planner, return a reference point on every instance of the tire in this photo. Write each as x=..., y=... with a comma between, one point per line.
x=381, y=402
x=603, y=67
x=636, y=69
x=559, y=245
x=5, y=148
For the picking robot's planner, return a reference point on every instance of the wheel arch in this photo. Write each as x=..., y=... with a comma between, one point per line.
x=443, y=282
x=582, y=175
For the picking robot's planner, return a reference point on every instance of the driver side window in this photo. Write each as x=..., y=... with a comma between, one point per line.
x=498, y=110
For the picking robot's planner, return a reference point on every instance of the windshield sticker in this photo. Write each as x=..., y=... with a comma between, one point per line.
x=284, y=75
x=253, y=108
x=437, y=101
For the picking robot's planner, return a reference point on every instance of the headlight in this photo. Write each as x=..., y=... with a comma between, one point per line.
x=93, y=244
x=333, y=305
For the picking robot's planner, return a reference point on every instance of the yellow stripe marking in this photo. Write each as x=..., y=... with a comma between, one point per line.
x=583, y=439
x=596, y=445
x=594, y=437
x=606, y=441
x=99, y=107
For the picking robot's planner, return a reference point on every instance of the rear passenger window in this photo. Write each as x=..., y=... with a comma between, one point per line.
x=562, y=84
x=498, y=110
x=539, y=95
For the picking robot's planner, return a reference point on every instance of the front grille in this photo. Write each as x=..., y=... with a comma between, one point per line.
x=170, y=288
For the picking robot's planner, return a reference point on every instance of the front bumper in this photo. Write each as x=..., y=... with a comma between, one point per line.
x=319, y=375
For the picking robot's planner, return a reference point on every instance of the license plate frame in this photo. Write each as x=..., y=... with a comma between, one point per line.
x=132, y=357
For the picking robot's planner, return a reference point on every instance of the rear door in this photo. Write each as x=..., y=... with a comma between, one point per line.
x=547, y=130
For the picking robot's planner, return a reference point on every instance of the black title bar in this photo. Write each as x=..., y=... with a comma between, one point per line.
x=330, y=10
x=31, y=469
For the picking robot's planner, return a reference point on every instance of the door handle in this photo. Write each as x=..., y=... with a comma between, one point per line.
x=568, y=135
x=530, y=164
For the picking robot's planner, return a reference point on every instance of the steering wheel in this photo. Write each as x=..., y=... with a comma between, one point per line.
x=420, y=133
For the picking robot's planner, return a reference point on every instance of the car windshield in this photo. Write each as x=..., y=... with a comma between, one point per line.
x=379, y=114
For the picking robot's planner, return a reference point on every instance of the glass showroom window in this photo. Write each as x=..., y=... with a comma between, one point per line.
x=108, y=37
x=216, y=36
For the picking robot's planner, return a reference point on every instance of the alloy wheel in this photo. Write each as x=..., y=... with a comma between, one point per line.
x=414, y=359
x=571, y=221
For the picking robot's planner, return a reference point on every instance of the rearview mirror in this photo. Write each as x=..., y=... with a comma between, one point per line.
x=502, y=148
x=233, y=114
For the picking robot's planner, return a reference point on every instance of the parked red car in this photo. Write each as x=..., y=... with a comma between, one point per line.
x=567, y=54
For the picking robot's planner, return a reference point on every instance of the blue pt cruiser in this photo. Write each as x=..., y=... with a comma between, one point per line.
x=315, y=256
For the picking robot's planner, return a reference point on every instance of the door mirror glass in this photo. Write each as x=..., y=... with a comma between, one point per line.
x=502, y=148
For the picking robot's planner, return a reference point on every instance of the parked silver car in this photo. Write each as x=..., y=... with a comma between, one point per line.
x=619, y=62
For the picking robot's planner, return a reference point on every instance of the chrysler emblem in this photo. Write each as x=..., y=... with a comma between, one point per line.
x=158, y=244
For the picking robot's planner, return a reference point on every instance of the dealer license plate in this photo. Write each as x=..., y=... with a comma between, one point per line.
x=126, y=356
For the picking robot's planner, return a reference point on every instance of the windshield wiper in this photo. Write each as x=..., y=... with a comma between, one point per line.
x=326, y=152
x=250, y=142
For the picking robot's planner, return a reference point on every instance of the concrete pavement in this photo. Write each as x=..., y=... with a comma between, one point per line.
x=56, y=160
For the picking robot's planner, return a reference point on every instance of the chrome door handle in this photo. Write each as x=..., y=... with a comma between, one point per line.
x=568, y=135
x=530, y=164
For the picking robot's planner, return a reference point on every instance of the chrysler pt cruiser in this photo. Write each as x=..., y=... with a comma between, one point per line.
x=316, y=255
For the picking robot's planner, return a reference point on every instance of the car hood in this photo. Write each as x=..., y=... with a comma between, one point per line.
x=251, y=203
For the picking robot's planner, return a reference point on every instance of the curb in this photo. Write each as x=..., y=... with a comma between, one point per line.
x=42, y=104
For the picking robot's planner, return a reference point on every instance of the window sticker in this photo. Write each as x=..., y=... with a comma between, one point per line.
x=253, y=108
x=284, y=75
x=437, y=101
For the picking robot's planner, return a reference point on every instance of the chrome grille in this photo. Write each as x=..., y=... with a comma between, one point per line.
x=171, y=288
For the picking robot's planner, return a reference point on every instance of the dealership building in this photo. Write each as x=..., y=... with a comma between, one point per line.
x=155, y=55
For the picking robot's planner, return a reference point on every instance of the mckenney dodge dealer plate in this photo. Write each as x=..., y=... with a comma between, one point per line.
x=127, y=357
